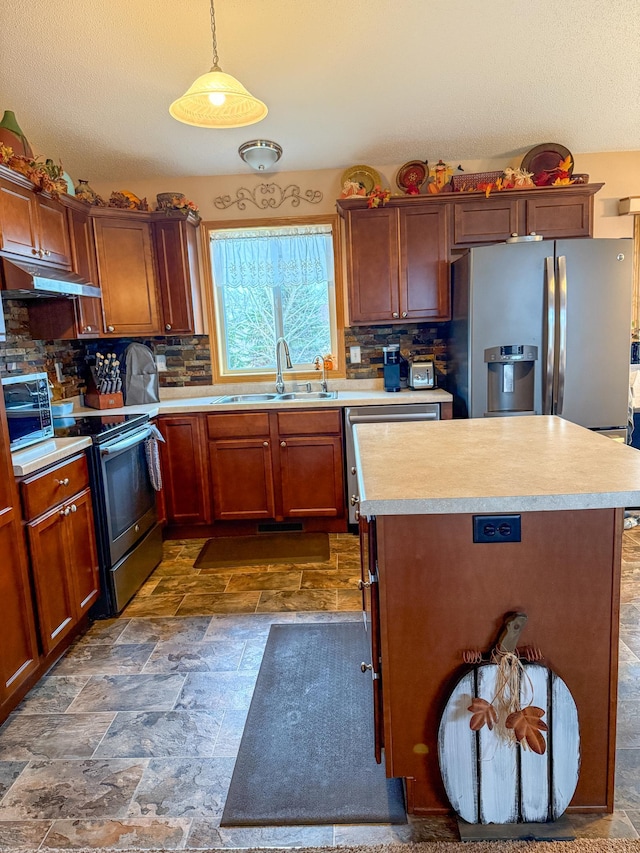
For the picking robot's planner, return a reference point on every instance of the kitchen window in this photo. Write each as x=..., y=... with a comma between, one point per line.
x=272, y=281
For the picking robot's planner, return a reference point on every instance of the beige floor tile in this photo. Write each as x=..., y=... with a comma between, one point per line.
x=264, y=580
x=335, y=579
x=224, y=602
x=312, y=599
x=153, y=605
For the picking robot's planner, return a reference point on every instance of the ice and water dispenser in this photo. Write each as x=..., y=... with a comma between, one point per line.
x=510, y=379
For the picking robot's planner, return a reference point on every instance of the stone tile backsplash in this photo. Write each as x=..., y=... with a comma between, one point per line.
x=188, y=359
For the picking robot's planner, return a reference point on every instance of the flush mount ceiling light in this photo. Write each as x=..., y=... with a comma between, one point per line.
x=217, y=99
x=260, y=154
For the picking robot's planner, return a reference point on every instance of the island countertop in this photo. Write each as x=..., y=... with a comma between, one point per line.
x=509, y=464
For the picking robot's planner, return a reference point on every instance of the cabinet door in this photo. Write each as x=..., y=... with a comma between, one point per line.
x=567, y=215
x=127, y=277
x=373, y=265
x=83, y=258
x=424, y=268
x=184, y=470
x=55, y=247
x=312, y=481
x=82, y=553
x=19, y=649
x=18, y=220
x=371, y=606
x=485, y=220
x=48, y=546
x=242, y=478
x=178, y=276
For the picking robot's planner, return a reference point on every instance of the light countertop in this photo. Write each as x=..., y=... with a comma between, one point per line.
x=45, y=453
x=495, y=465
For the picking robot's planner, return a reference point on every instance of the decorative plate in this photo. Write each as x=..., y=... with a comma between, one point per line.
x=412, y=174
x=367, y=177
x=546, y=158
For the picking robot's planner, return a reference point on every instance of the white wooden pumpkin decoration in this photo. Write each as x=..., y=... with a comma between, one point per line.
x=508, y=741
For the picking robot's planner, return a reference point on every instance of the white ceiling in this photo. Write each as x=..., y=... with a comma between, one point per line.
x=346, y=81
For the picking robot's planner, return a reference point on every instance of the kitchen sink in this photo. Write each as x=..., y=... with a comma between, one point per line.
x=246, y=398
x=276, y=398
x=309, y=395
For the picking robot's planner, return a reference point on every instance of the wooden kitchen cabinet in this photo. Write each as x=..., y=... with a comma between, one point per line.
x=32, y=225
x=185, y=480
x=397, y=260
x=176, y=251
x=126, y=273
x=60, y=532
x=277, y=465
x=19, y=656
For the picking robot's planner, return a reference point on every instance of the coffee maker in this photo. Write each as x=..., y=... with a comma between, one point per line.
x=391, y=367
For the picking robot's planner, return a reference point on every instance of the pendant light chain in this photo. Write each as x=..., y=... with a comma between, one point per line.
x=213, y=36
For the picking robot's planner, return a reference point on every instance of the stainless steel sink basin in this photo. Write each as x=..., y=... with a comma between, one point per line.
x=309, y=395
x=276, y=398
x=246, y=398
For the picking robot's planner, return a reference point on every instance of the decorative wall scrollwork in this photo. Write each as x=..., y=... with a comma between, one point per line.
x=268, y=196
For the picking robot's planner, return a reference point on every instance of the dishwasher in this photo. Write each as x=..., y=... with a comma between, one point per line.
x=389, y=414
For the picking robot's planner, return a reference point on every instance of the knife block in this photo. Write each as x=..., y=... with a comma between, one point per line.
x=95, y=400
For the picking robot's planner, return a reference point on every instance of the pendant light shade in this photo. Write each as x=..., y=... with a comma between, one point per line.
x=217, y=99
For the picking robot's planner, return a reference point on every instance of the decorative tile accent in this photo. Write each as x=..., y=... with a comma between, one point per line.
x=415, y=339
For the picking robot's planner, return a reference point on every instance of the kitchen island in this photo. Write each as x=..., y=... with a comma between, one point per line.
x=435, y=593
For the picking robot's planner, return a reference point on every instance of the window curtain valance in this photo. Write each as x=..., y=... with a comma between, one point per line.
x=272, y=257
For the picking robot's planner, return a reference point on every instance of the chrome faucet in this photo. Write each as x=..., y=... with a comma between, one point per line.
x=279, y=379
x=319, y=365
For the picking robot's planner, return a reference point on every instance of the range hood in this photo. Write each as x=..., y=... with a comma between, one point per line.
x=23, y=280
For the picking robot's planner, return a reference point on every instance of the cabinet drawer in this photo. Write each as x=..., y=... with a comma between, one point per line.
x=318, y=422
x=251, y=425
x=44, y=490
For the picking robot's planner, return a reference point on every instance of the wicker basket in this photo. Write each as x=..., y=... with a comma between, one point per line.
x=470, y=181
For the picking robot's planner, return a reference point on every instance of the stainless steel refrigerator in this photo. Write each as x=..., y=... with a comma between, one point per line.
x=543, y=328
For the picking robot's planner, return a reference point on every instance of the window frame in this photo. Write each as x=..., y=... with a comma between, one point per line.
x=218, y=375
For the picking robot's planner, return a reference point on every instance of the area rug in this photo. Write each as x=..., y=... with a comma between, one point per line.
x=581, y=845
x=263, y=548
x=306, y=754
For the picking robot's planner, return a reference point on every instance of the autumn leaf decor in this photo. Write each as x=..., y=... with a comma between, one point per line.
x=378, y=197
x=527, y=726
x=483, y=713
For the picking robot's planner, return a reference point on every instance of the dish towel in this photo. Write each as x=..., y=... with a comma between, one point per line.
x=152, y=453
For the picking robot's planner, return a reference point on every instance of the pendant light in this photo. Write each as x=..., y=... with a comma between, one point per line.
x=260, y=154
x=217, y=99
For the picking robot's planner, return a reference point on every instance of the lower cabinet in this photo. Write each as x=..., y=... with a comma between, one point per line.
x=185, y=481
x=62, y=547
x=276, y=465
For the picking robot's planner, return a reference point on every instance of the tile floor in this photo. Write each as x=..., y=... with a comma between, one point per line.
x=131, y=738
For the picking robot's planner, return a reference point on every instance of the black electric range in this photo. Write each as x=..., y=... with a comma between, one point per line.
x=100, y=428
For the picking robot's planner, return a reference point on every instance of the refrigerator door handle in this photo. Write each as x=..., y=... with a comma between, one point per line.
x=547, y=397
x=562, y=338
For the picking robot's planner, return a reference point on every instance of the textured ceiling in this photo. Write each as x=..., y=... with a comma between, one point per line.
x=346, y=81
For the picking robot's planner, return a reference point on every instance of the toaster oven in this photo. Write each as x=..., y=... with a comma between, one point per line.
x=28, y=406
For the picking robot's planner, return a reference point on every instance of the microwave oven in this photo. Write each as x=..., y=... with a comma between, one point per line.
x=28, y=405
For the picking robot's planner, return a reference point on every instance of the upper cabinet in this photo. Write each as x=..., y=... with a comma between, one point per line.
x=176, y=250
x=397, y=260
x=32, y=225
x=398, y=255
x=126, y=272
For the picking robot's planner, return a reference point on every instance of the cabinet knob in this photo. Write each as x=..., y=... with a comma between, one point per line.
x=395, y=315
x=363, y=584
x=404, y=313
x=88, y=328
x=110, y=329
x=168, y=327
x=65, y=511
x=64, y=482
x=47, y=252
x=73, y=508
x=34, y=251
x=283, y=444
x=354, y=499
x=265, y=444
x=366, y=666
x=354, y=470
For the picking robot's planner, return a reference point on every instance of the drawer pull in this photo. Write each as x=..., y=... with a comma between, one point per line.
x=366, y=666
x=283, y=444
x=364, y=584
x=73, y=508
x=64, y=482
x=265, y=444
x=354, y=499
x=65, y=511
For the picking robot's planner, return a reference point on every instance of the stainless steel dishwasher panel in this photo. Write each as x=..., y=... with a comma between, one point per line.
x=392, y=413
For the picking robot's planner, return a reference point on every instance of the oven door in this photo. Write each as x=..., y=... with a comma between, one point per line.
x=129, y=497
